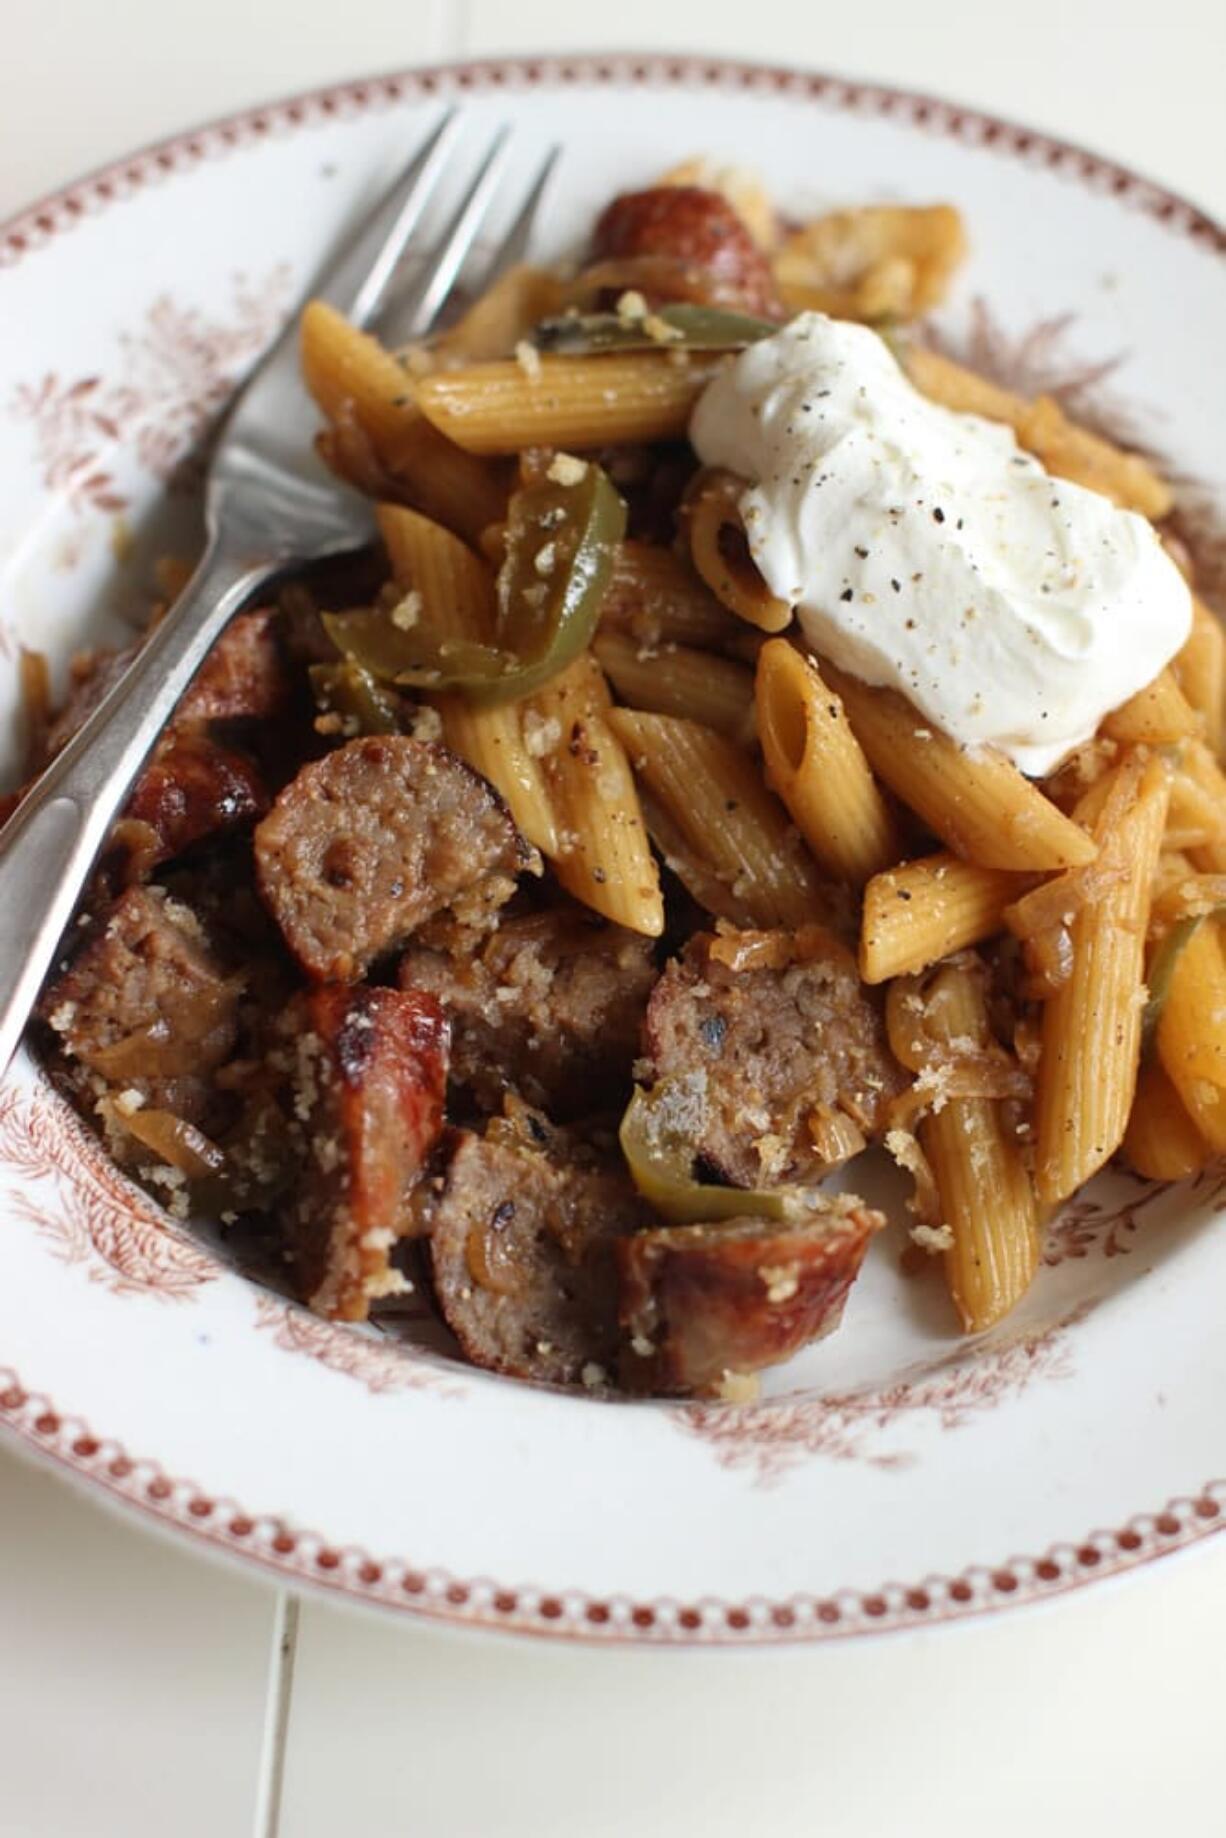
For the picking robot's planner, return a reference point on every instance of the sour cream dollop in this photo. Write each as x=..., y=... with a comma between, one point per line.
x=924, y=551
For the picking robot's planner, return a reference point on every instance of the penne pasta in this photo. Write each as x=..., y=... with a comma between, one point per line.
x=986, y=1196
x=1161, y=1142
x=455, y=594
x=694, y=871
x=493, y=742
x=977, y=803
x=1157, y=715
x=817, y=766
x=1091, y=1033
x=455, y=587
x=1181, y=893
x=341, y=364
x=571, y=402
x=925, y=910
x=676, y=680
x=1191, y=1034
x=713, y=793
x=603, y=854
x=1068, y=451
x=509, y=309
x=1198, y=766
x=364, y=390
x=659, y=600
x=1200, y=671
x=1196, y=818
x=881, y=261
x=720, y=553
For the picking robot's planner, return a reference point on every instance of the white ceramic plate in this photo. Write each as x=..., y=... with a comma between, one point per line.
x=893, y=1476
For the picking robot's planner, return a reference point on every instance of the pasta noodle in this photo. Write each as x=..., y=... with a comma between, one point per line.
x=713, y=793
x=1196, y=819
x=456, y=594
x=721, y=555
x=492, y=742
x=604, y=857
x=455, y=586
x=817, y=766
x=508, y=311
x=1091, y=1032
x=353, y=378
x=881, y=261
x=1192, y=1032
x=976, y=1158
x=1200, y=671
x=1157, y=715
x=1161, y=1142
x=1198, y=766
x=977, y=803
x=678, y=681
x=924, y=910
x=660, y=600
x=571, y=402
x=342, y=364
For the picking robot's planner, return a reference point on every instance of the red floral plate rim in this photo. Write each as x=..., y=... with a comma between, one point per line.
x=305, y=1558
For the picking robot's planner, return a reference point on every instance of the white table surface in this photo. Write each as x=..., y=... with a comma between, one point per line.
x=133, y=1675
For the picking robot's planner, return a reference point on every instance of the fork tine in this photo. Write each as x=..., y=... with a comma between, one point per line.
x=421, y=306
x=518, y=238
x=357, y=281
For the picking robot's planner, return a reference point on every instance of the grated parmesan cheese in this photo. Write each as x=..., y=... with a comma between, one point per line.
x=406, y=613
x=933, y=1238
x=565, y=469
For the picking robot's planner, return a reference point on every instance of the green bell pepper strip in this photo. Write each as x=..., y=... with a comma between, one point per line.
x=561, y=540
x=347, y=690
x=680, y=328
x=657, y=1137
x=1162, y=971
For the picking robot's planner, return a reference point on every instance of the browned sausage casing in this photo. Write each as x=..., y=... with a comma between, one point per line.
x=696, y=229
x=368, y=1074
x=703, y=1301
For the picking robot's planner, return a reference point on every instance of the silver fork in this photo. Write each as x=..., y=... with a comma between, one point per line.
x=268, y=505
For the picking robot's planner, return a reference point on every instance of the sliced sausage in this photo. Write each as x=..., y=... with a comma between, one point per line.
x=192, y=789
x=243, y=678
x=550, y=1004
x=521, y=1250
x=367, y=1072
x=698, y=230
x=791, y=1049
x=367, y=843
x=146, y=1006
x=195, y=786
x=702, y=1302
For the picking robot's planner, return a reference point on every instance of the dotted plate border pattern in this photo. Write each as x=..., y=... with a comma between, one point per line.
x=32, y=229
x=306, y=1558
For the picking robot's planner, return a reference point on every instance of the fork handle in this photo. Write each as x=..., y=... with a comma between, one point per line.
x=51, y=842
